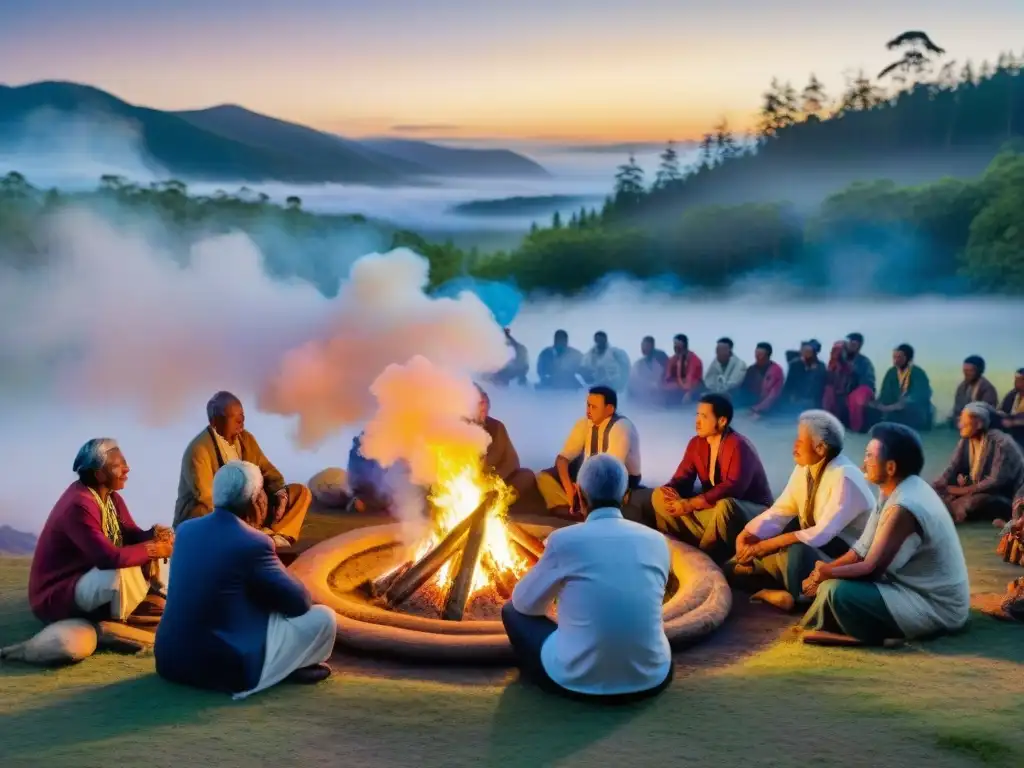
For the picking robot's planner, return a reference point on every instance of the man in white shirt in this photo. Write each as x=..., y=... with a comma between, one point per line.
x=819, y=516
x=608, y=576
x=605, y=365
x=602, y=430
x=726, y=372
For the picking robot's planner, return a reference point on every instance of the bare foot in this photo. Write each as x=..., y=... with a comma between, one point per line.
x=778, y=598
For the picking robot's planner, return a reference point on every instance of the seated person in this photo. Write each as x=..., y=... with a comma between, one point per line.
x=226, y=440
x=91, y=560
x=975, y=388
x=1011, y=410
x=602, y=430
x=605, y=366
x=726, y=372
x=985, y=471
x=819, y=516
x=906, y=577
x=839, y=383
x=733, y=486
x=805, y=382
x=516, y=368
x=236, y=620
x=862, y=389
x=906, y=394
x=762, y=383
x=684, y=373
x=609, y=577
x=503, y=460
x=559, y=364
x=647, y=374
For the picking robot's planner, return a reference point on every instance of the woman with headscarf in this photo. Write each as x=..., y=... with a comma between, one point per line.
x=975, y=388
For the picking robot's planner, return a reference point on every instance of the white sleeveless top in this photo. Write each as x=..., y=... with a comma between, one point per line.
x=926, y=587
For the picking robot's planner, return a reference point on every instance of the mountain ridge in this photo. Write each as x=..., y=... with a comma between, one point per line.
x=229, y=142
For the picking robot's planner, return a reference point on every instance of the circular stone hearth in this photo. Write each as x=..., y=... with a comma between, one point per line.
x=333, y=569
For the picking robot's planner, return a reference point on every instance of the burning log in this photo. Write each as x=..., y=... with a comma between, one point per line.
x=530, y=558
x=458, y=593
x=526, y=540
x=420, y=572
x=374, y=588
x=504, y=580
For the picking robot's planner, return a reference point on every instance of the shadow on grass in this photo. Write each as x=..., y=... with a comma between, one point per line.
x=982, y=638
x=982, y=748
x=551, y=740
x=94, y=714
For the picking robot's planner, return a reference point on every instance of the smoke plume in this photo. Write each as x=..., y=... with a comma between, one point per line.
x=383, y=317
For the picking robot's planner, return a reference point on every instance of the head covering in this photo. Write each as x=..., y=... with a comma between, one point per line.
x=813, y=344
x=977, y=361
x=236, y=484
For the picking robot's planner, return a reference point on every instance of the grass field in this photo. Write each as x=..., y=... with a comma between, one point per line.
x=743, y=697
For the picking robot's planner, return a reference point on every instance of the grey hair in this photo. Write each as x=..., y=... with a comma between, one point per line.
x=603, y=478
x=825, y=429
x=981, y=411
x=93, y=455
x=236, y=484
x=218, y=404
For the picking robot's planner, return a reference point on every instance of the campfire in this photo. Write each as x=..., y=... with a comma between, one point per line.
x=472, y=549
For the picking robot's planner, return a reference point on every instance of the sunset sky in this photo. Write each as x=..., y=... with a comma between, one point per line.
x=580, y=70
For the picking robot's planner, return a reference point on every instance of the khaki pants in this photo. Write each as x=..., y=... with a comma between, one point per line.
x=714, y=530
x=290, y=524
x=294, y=643
x=123, y=590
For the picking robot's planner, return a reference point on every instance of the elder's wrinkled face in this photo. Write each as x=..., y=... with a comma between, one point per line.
x=232, y=423
x=115, y=471
x=969, y=425
x=804, y=452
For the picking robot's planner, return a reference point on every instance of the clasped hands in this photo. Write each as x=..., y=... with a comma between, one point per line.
x=822, y=572
x=675, y=505
x=162, y=543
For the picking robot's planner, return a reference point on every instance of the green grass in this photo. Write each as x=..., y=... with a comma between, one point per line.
x=746, y=697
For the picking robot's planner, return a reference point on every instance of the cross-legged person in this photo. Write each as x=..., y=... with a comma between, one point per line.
x=608, y=576
x=906, y=577
x=236, y=621
x=819, y=516
x=733, y=485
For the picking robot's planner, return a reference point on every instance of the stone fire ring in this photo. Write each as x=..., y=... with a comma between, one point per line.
x=699, y=606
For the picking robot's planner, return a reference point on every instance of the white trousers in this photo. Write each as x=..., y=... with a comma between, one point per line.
x=295, y=643
x=123, y=590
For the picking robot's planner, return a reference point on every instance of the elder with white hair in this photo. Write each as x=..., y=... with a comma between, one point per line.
x=819, y=516
x=92, y=560
x=236, y=620
x=986, y=469
x=608, y=575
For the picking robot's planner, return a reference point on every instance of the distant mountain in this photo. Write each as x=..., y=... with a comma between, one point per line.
x=14, y=542
x=525, y=206
x=231, y=143
x=457, y=161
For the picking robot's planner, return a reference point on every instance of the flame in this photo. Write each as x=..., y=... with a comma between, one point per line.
x=460, y=488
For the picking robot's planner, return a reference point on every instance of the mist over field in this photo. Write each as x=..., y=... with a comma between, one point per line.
x=116, y=339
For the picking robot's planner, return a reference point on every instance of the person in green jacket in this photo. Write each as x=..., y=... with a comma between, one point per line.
x=906, y=394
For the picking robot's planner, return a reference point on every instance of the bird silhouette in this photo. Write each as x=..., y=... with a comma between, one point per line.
x=915, y=36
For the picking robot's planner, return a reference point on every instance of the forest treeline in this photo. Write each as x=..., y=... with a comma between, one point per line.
x=952, y=234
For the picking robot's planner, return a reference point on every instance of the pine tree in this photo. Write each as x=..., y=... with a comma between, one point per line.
x=669, y=172
x=814, y=100
x=725, y=142
x=629, y=183
x=769, y=114
x=708, y=156
x=556, y=221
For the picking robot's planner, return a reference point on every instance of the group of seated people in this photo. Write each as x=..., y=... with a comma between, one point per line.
x=844, y=384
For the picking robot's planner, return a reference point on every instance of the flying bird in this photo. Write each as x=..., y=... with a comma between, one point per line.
x=915, y=36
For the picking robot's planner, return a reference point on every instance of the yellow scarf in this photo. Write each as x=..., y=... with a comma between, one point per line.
x=1018, y=405
x=110, y=521
x=904, y=378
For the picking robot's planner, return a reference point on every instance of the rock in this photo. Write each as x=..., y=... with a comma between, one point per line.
x=330, y=487
x=63, y=642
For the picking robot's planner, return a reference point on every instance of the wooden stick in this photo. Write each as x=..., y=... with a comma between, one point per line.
x=374, y=588
x=458, y=593
x=530, y=558
x=418, y=574
x=504, y=580
x=525, y=539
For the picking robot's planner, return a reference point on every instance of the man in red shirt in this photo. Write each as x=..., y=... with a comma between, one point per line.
x=733, y=485
x=92, y=560
x=684, y=374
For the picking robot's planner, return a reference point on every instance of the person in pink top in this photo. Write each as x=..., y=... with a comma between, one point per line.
x=762, y=384
x=684, y=374
x=92, y=560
